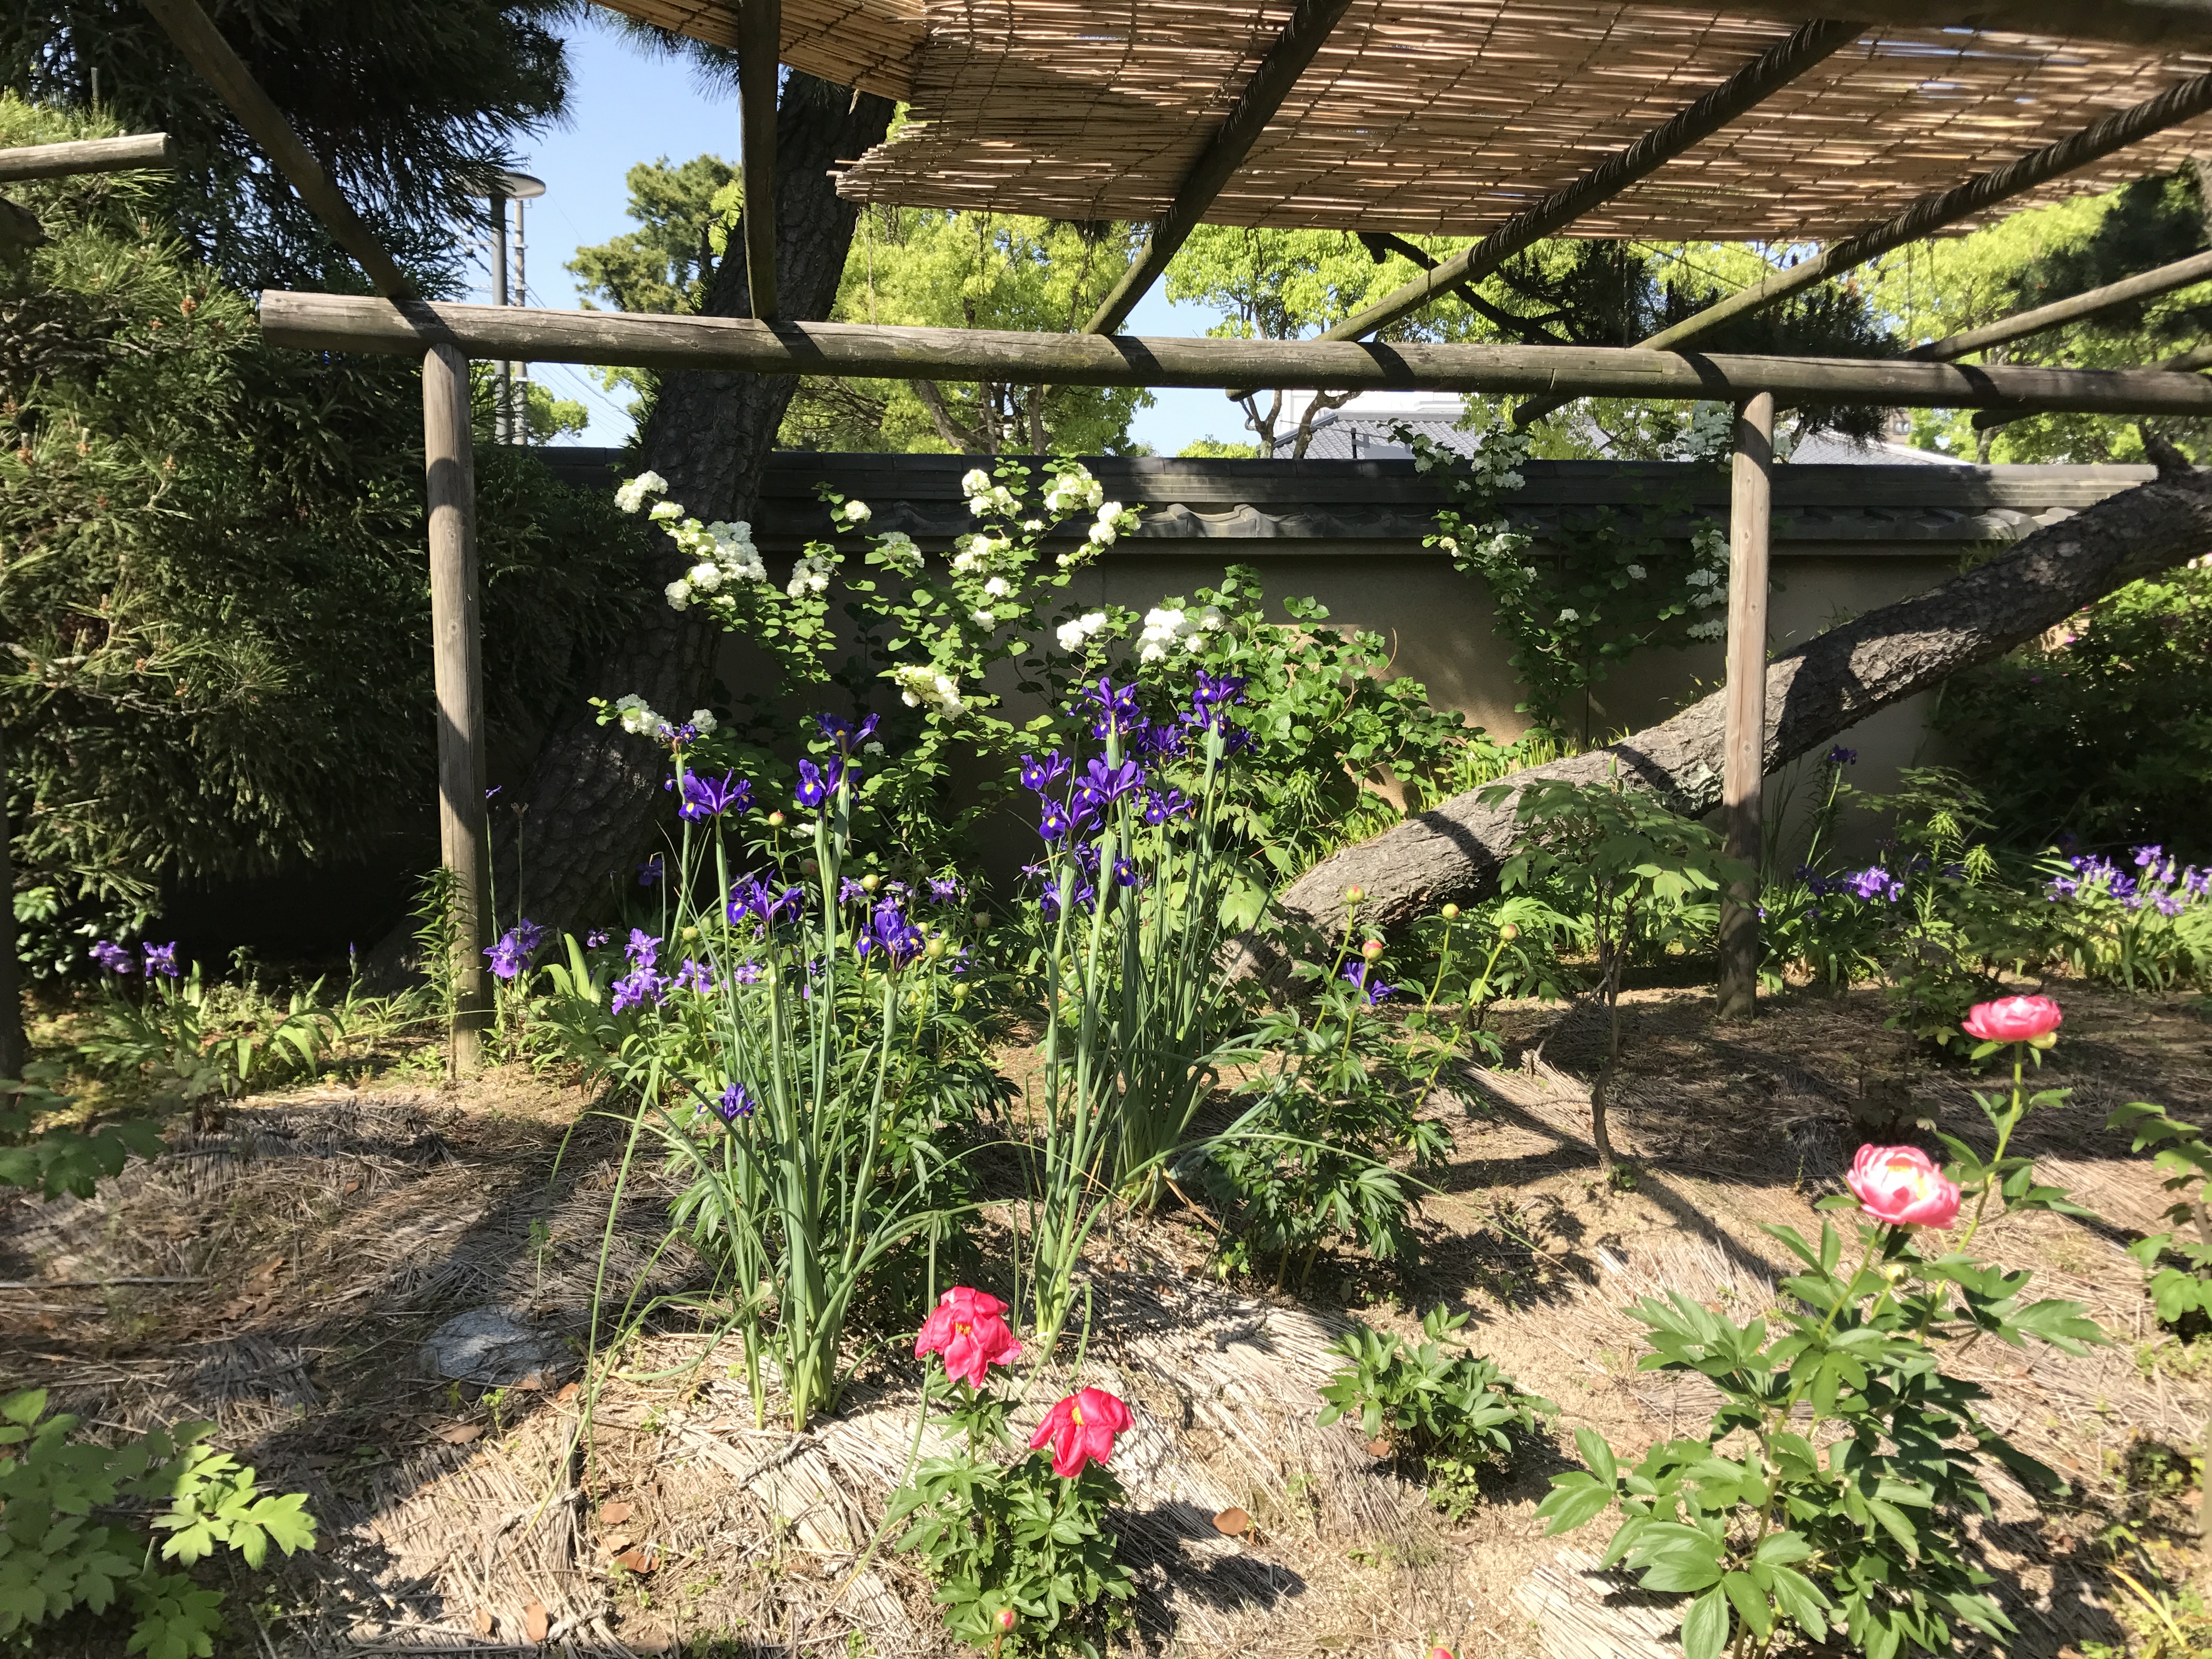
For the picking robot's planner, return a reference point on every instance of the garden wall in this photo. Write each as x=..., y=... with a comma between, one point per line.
x=1846, y=539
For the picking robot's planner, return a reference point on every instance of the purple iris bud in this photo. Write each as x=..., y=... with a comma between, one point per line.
x=1039, y=776
x=1217, y=689
x=113, y=957
x=706, y=797
x=816, y=783
x=161, y=959
x=494, y=790
x=643, y=949
x=1161, y=805
x=1109, y=783
x=1840, y=755
x=944, y=890
x=650, y=871
x=695, y=976
x=736, y=1101
x=595, y=938
x=634, y=989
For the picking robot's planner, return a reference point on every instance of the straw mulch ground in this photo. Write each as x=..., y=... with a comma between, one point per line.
x=309, y=1242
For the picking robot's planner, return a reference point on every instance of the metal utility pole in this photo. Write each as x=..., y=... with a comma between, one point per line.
x=510, y=419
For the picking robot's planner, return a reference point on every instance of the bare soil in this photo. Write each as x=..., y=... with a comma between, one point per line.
x=290, y=1258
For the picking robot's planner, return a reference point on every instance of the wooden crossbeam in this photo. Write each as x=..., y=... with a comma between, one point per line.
x=2175, y=25
x=2181, y=273
x=2181, y=102
x=760, y=25
x=1747, y=87
x=138, y=149
x=1293, y=50
x=209, y=54
x=333, y=322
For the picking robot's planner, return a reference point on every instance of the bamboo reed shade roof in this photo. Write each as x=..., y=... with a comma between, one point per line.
x=1446, y=116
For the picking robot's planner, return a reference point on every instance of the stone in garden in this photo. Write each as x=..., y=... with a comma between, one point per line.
x=491, y=1347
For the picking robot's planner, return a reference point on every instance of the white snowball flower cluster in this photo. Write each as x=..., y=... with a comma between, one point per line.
x=720, y=553
x=1707, y=630
x=1108, y=526
x=925, y=688
x=1637, y=573
x=1074, y=635
x=997, y=588
x=634, y=715
x=1571, y=615
x=856, y=512
x=810, y=574
x=1165, y=628
x=986, y=498
x=1706, y=588
x=631, y=495
x=975, y=551
x=1073, y=491
x=900, y=552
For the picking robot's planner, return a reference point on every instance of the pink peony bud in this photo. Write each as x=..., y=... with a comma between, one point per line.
x=2012, y=1019
x=1898, y=1185
x=1373, y=949
x=1005, y=1619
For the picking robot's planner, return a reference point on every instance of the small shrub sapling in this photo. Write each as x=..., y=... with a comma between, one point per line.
x=1449, y=1417
x=1827, y=1497
x=2179, y=1265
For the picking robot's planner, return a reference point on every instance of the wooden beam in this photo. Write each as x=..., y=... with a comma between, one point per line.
x=1747, y=87
x=1743, y=742
x=2198, y=268
x=2181, y=102
x=760, y=28
x=331, y=322
x=2188, y=363
x=1293, y=50
x=456, y=661
x=2172, y=25
x=211, y=56
x=139, y=149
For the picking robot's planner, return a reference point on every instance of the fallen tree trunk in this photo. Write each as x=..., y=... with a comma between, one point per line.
x=1453, y=853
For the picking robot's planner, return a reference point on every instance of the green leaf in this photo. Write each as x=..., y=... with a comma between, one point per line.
x=1597, y=1454
x=1750, y=1603
x=1705, y=1626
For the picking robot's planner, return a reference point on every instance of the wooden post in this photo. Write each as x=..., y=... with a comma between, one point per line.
x=449, y=463
x=1743, y=764
x=15, y=1046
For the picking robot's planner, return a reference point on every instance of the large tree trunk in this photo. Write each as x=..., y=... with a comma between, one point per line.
x=593, y=790
x=1453, y=852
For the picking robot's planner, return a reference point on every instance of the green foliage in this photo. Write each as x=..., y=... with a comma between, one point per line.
x=2180, y=1267
x=1451, y=1416
x=216, y=657
x=1333, y=1100
x=1605, y=589
x=2108, y=736
x=997, y=1538
x=55, y=1558
x=196, y=1042
x=1829, y=1497
x=1218, y=449
x=54, y=1158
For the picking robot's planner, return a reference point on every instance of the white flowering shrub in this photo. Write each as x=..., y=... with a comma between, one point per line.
x=1607, y=585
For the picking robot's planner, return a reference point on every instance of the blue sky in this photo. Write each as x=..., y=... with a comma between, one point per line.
x=626, y=107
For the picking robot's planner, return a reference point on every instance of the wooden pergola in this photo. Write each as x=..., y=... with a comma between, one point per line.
x=1505, y=121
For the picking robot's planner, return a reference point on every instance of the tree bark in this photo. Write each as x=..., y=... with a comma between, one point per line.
x=1453, y=851
x=593, y=790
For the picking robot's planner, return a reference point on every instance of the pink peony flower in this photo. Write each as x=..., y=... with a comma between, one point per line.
x=969, y=1328
x=2012, y=1019
x=1898, y=1185
x=1081, y=1427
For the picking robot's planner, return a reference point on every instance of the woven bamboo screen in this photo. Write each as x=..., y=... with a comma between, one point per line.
x=1443, y=115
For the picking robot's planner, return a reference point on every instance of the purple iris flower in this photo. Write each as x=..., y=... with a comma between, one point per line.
x=1153, y=743
x=1840, y=755
x=890, y=932
x=643, y=949
x=1356, y=974
x=849, y=891
x=1161, y=805
x=1126, y=873
x=1874, y=881
x=113, y=957
x=2197, y=881
x=2146, y=856
x=161, y=959
x=1216, y=689
x=637, y=988
x=650, y=871
x=736, y=1101
x=2168, y=904
x=706, y=798
x=595, y=938
x=515, y=948
x=944, y=890
x=1108, y=784
x=693, y=976
x=1085, y=896
x=846, y=736
x=1056, y=822
x=1116, y=705
x=751, y=897
x=817, y=784
x=746, y=973
x=1039, y=776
